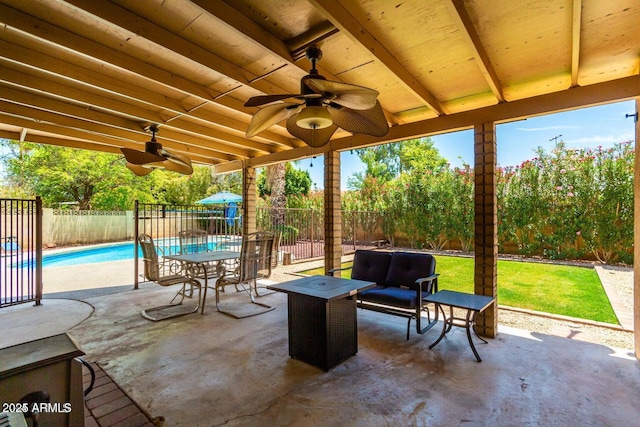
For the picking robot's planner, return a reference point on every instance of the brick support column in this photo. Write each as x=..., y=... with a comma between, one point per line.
x=636, y=239
x=486, y=224
x=332, y=212
x=248, y=200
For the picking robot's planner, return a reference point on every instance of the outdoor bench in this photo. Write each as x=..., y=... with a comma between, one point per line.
x=403, y=280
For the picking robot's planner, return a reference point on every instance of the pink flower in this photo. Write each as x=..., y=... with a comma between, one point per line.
x=570, y=194
x=563, y=171
x=559, y=188
x=578, y=233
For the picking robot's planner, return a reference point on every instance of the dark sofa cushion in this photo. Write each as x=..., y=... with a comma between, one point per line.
x=407, y=267
x=371, y=266
x=393, y=296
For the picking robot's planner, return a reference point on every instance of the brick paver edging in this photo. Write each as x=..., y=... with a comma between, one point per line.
x=107, y=405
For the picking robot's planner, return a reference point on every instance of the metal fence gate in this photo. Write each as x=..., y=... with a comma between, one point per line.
x=302, y=230
x=20, y=251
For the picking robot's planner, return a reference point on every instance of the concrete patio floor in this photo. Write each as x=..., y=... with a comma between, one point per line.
x=211, y=369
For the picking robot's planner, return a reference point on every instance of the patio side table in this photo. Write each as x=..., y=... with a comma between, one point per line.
x=474, y=304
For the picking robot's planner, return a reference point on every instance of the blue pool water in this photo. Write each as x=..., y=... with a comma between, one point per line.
x=102, y=253
x=118, y=252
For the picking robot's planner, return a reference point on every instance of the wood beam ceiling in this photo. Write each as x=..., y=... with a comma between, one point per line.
x=576, y=26
x=581, y=96
x=467, y=30
x=352, y=26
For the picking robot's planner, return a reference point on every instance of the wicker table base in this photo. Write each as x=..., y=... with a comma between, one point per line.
x=322, y=318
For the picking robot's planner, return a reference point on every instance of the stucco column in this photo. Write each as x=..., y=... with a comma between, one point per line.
x=636, y=238
x=332, y=212
x=486, y=224
x=248, y=200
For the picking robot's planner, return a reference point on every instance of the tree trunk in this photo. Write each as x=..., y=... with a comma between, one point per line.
x=275, y=175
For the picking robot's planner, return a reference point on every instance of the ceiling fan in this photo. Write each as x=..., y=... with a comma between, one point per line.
x=155, y=157
x=321, y=107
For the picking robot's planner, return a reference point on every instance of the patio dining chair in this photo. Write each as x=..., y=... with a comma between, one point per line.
x=255, y=263
x=154, y=269
x=267, y=268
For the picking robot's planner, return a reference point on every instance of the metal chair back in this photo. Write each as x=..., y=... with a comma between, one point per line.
x=193, y=241
x=150, y=257
x=256, y=256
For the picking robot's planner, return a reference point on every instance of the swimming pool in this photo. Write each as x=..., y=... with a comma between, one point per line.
x=104, y=253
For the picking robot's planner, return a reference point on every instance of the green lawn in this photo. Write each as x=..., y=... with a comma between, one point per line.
x=551, y=288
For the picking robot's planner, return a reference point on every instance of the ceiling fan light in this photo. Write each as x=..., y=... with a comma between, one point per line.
x=314, y=117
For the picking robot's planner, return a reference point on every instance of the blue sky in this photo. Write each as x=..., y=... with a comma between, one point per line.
x=591, y=127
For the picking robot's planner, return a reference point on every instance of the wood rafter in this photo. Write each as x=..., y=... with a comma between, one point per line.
x=240, y=23
x=101, y=72
x=352, y=27
x=467, y=30
x=576, y=25
x=121, y=17
x=78, y=78
x=601, y=93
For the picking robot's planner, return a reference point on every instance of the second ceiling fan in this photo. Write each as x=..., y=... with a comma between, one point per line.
x=321, y=107
x=154, y=156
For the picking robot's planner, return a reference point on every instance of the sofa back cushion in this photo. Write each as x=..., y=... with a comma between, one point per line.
x=371, y=266
x=407, y=267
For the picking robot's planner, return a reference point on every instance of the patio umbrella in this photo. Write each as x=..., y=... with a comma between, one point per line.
x=221, y=198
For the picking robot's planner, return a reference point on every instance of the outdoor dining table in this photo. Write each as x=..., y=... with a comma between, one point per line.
x=197, y=261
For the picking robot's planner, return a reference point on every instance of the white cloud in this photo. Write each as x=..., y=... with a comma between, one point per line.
x=601, y=139
x=546, y=128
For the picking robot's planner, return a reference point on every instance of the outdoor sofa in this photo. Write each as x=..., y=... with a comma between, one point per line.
x=403, y=280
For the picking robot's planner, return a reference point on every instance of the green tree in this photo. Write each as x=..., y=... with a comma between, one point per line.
x=296, y=182
x=57, y=174
x=187, y=189
x=96, y=180
x=388, y=161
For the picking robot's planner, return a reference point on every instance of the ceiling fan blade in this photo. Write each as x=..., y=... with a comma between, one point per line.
x=312, y=137
x=173, y=166
x=140, y=157
x=256, y=101
x=270, y=115
x=347, y=95
x=369, y=122
x=138, y=170
x=178, y=163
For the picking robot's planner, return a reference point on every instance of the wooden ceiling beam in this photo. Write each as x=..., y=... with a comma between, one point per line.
x=61, y=141
x=67, y=132
x=123, y=18
x=245, y=27
x=49, y=33
x=185, y=145
x=25, y=80
x=129, y=93
x=467, y=30
x=350, y=25
x=235, y=20
x=56, y=36
x=572, y=98
x=576, y=28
